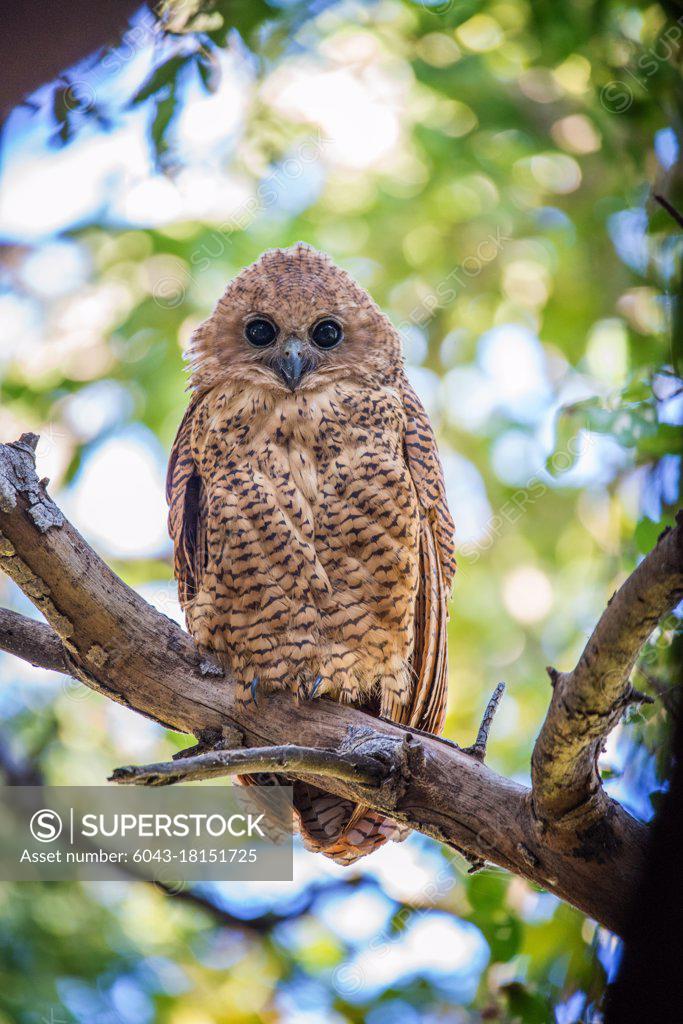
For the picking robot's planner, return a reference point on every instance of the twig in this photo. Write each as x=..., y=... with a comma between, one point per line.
x=478, y=748
x=669, y=207
x=360, y=769
x=262, y=924
x=24, y=772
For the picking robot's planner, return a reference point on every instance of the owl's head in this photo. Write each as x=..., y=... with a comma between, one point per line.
x=290, y=321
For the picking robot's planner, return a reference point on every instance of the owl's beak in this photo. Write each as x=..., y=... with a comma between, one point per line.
x=291, y=365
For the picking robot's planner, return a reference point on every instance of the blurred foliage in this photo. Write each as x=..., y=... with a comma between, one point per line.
x=486, y=170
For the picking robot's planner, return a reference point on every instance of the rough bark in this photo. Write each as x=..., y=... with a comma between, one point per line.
x=31, y=641
x=588, y=854
x=588, y=701
x=289, y=758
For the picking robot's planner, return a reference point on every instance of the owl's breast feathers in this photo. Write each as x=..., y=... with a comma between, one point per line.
x=313, y=542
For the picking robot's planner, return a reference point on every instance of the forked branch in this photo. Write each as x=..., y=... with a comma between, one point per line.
x=588, y=702
x=104, y=634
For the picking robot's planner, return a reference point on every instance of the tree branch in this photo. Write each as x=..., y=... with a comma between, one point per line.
x=478, y=748
x=588, y=702
x=122, y=647
x=24, y=772
x=669, y=207
x=32, y=641
x=286, y=758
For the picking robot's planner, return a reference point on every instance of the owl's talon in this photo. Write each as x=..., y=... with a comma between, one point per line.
x=253, y=689
x=315, y=687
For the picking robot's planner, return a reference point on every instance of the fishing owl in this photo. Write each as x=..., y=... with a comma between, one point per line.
x=313, y=542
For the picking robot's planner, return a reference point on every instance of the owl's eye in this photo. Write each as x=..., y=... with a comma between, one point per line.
x=326, y=333
x=260, y=332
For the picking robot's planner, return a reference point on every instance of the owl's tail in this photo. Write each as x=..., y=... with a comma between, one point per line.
x=340, y=829
x=328, y=824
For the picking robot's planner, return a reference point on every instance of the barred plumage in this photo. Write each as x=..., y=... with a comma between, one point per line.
x=313, y=542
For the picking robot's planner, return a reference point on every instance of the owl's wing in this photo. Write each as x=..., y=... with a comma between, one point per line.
x=187, y=514
x=437, y=568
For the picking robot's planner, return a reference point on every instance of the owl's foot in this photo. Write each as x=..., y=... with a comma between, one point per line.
x=307, y=690
x=315, y=688
x=342, y=686
x=247, y=693
x=318, y=687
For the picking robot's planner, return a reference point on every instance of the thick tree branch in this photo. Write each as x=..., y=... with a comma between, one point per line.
x=588, y=702
x=119, y=645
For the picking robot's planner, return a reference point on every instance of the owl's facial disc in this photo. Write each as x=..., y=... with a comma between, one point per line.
x=292, y=321
x=295, y=349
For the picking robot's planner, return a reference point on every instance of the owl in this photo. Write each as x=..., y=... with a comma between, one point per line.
x=313, y=542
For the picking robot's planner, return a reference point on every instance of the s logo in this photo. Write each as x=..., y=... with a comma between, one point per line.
x=45, y=825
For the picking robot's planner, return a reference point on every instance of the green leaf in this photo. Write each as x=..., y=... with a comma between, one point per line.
x=526, y=1007
x=486, y=892
x=646, y=533
x=400, y=919
x=638, y=388
x=503, y=932
x=60, y=109
x=164, y=113
x=668, y=440
x=163, y=75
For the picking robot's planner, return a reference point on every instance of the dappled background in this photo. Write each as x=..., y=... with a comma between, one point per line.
x=487, y=171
